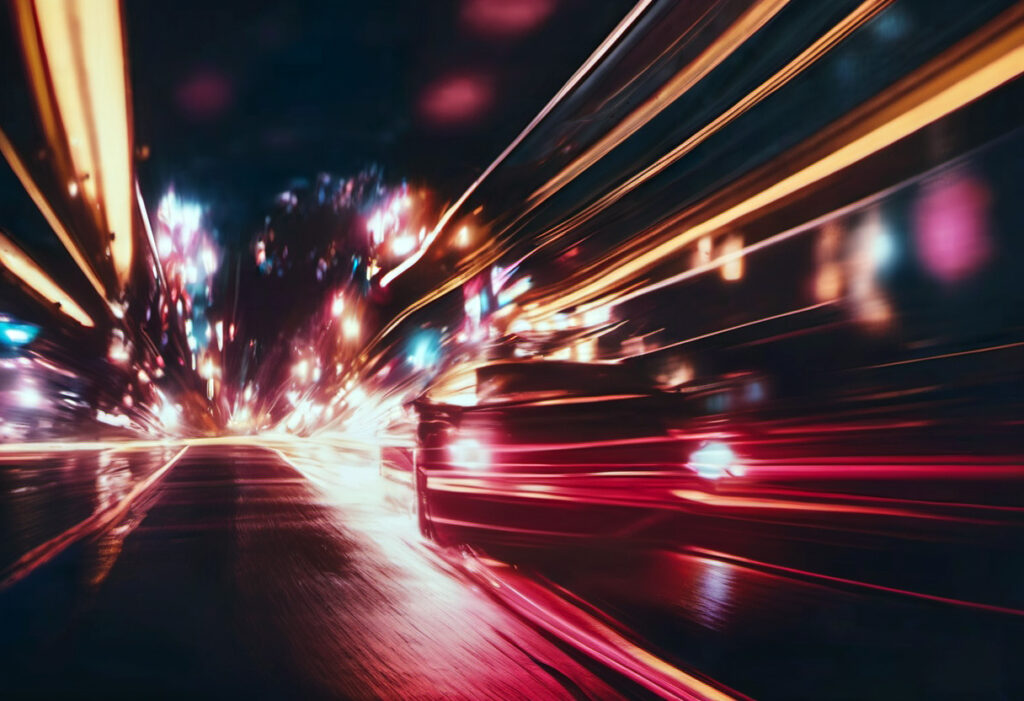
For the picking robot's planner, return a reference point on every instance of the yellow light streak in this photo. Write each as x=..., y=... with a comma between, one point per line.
x=803, y=228
x=47, y=211
x=830, y=39
x=862, y=14
x=24, y=268
x=946, y=356
x=991, y=63
x=84, y=52
x=482, y=260
x=748, y=24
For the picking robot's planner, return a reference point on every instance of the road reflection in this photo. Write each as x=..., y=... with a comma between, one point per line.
x=238, y=576
x=45, y=493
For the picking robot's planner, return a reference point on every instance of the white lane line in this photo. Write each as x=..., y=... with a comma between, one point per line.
x=41, y=554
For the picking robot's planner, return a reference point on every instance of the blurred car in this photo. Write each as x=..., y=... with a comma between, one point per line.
x=555, y=450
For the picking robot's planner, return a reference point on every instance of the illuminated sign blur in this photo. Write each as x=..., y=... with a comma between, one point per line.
x=14, y=334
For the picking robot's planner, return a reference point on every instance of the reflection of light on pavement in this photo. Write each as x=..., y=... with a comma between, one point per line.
x=406, y=597
x=715, y=585
x=347, y=478
x=113, y=478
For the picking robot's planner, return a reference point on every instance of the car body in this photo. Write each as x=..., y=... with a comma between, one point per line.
x=561, y=450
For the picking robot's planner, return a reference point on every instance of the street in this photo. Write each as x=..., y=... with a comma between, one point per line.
x=512, y=349
x=235, y=579
x=271, y=571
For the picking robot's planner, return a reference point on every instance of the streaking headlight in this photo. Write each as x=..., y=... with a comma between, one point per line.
x=713, y=460
x=468, y=453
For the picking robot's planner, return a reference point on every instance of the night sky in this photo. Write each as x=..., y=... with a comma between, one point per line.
x=240, y=100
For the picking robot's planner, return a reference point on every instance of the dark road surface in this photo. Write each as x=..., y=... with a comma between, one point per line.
x=287, y=572
x=773, y=636
x=43, y=494
x=234, y=578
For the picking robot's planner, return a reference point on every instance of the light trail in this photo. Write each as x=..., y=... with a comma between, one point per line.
x=83, y=48
x=944, y=356
x=74, y=446
x=548, y=609
x=481, y=262
x=25, y=269
x=995, y=56
x=860, y=16
x=627, y=489
x=751, y=22
x=775, y=239
x=751, y=503
x=737, y=327
x=628, y=21
x=51, y=217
